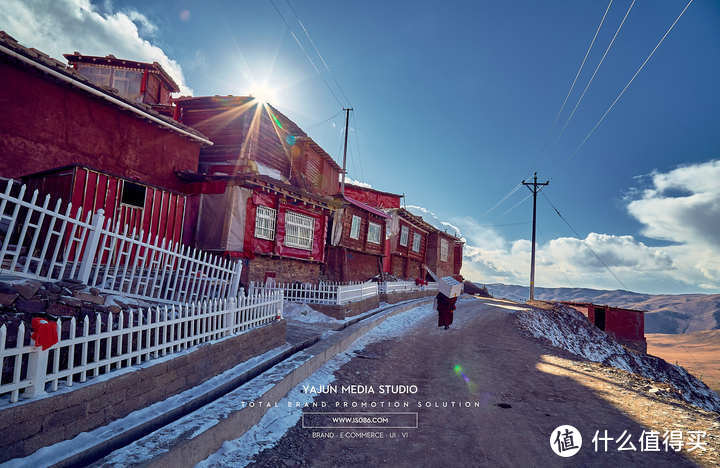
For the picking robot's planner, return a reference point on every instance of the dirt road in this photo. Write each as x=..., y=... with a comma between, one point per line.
x=519, y=391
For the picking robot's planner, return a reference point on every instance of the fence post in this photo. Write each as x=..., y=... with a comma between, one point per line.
x=37, y=370
x=279, y=296
x=91, y=246
x=230, y=312
x=235, y=283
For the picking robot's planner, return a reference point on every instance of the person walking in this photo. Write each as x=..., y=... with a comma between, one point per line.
x=445, y=307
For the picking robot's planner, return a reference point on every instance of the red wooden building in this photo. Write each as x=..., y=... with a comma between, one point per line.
x=252, y=137
x=627, y=326
x=357, y=241
x=264, y=190
x=444, y=253
x=278, y=229
x=408, y=244
x=78, y=122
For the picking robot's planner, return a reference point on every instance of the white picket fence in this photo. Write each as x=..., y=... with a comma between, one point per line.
x=339, y=293
x=390, y=287
x=46, y=244
x=356, y=292
x=322, y=293
x=116, y=342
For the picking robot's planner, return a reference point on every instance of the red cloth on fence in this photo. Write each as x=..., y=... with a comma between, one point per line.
x=44, y=332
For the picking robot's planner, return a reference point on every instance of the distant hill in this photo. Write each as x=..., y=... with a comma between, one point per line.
x=667, y=313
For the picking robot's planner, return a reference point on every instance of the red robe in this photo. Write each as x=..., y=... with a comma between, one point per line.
x=445, y=307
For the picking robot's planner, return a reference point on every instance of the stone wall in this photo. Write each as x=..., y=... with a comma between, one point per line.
x=286, y=270
x=351, y=309
x=28, y=426
x=396, y=297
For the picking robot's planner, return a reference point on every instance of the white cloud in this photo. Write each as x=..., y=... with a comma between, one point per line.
x=56, y=27
x=681, y=206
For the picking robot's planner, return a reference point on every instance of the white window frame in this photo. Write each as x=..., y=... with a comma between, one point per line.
x=299, y=230
x=376, y=229
x=417, y=238
x=444, y=249
x=355, y=227
x=404, y=234
x=265, y=222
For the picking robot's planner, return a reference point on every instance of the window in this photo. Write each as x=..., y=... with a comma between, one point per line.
x=404, y=232
x=101, y=76
x=355, y=227
x=443, y=250
x=298, y=230
x=133, y=194
x=127, y=82
x=265, y=222
x=416, y=242
x=373, y=233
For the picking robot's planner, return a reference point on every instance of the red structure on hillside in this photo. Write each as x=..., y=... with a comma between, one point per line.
x=627, y=326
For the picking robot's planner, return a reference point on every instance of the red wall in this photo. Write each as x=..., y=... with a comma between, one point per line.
x=361, y=243
x=277, y=246
x=372, y=197
x=46, y=125
x=162, y=216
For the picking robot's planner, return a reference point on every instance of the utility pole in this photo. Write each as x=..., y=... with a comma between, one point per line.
x=347, y=121
x=533, y=187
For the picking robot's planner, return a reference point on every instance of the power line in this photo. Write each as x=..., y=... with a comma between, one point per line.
x=572, y=86
x=307, y=56
x=517, y=204
x=317, y=51
x=584, y=242
x=612, y=41
x=631, y=80
x=317, y=124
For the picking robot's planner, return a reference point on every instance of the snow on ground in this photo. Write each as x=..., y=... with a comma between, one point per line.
x=53, y=454
x=278, y=420
x=305, y=313
x=568, y=329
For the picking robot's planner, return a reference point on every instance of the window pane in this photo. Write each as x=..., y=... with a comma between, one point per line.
x=299, y=230
x=355, y=227
x=374, y=233
x=404, y=232
x=265, y=223
x=98, y=75
x=443, y=250
x=416, y=242
x=127, y=82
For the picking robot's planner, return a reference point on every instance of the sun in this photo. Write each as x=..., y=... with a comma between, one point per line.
x=263, y=93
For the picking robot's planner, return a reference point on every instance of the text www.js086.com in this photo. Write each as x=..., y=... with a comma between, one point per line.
x=359, y=420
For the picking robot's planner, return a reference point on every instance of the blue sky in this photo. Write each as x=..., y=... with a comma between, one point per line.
x=456, y=103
